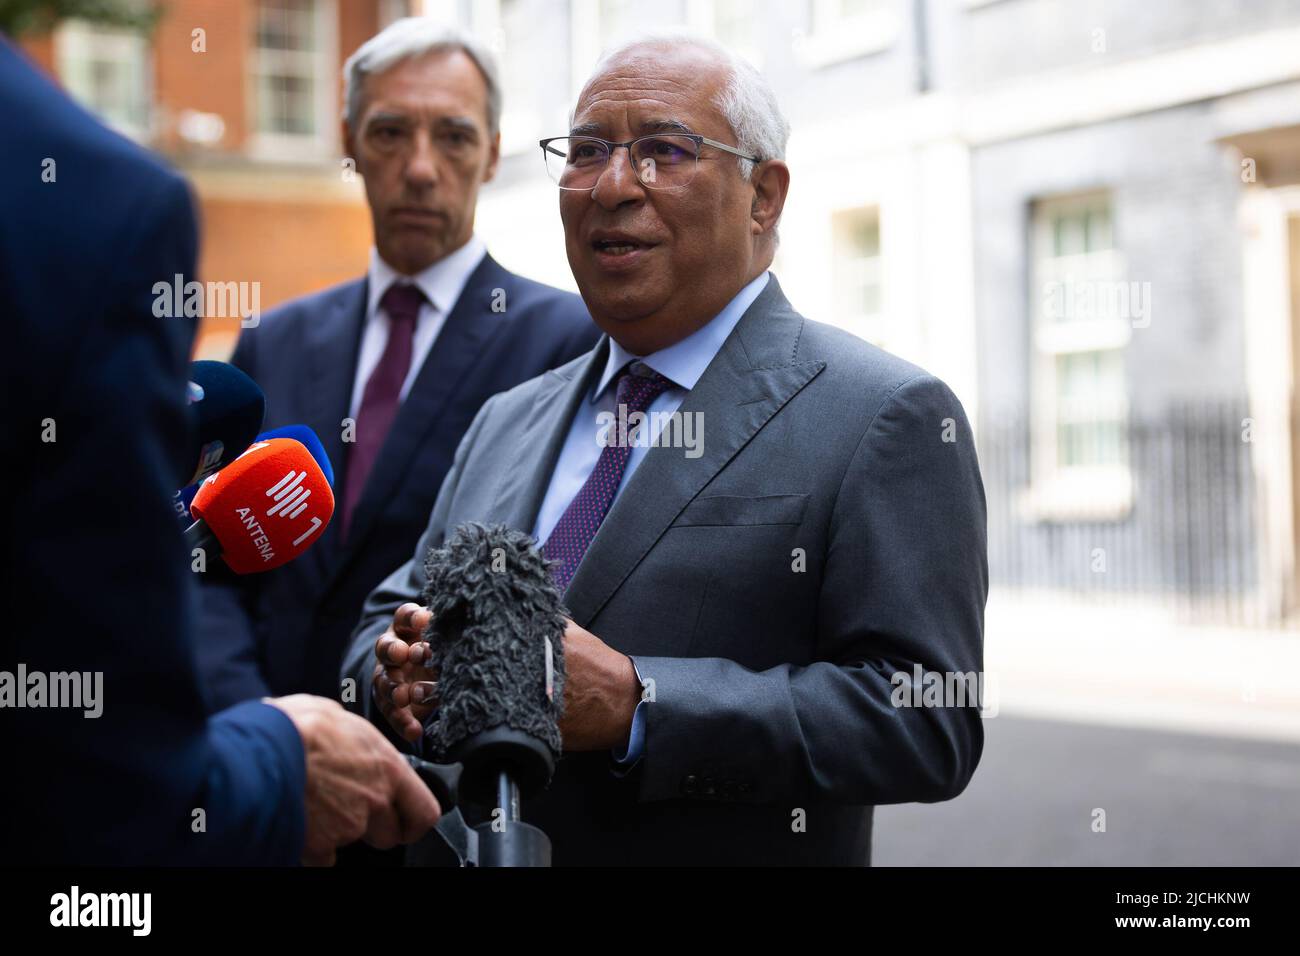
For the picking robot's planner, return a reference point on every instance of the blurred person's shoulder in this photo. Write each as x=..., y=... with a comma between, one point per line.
x=514, y=404
x=534, y=301
x=72, y=148
x=292, y=318
x=91, y=223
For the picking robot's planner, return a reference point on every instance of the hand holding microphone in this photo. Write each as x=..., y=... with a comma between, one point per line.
x=258, y=512
x=403, y=686
x=512, y=671
x=260, y=501
x=494, y=629
x=358, y=786
x=600, y=686
x=601, y=692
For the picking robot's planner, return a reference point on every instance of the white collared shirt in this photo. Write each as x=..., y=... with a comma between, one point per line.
x=441, y=283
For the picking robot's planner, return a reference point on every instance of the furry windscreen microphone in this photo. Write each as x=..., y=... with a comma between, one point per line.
x=496, y=637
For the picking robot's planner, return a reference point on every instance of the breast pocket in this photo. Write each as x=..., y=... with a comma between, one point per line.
x=754, y=605
x=740, y=510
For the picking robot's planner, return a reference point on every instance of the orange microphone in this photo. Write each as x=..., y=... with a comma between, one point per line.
x=264, y=509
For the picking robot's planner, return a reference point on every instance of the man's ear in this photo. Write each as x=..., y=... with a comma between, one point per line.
x=494, y=158
x=770, y=181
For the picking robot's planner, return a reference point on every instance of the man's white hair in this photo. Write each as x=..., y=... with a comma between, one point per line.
x=746, y=99
x=405, y=39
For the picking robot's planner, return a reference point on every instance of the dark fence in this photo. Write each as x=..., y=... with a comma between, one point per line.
x=1191, y=530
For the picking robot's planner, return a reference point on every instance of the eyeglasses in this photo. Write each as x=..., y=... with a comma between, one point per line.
x=660, y=161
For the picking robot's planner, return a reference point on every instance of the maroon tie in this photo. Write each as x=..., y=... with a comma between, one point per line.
x=638, y=386
x=383, y=393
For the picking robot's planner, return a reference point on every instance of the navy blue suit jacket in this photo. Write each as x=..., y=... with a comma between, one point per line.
x=97, y=580
x=285, y=631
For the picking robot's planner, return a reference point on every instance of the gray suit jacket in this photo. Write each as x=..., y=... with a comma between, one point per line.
x=830, y=536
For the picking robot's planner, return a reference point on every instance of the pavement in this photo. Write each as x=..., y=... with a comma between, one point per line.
x=1117, y=736
x=1136, y=666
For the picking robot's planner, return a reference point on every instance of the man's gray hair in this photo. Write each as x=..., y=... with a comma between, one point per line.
x=405, y=39
x=746, y=100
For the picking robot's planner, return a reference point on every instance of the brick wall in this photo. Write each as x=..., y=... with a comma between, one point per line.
x=213, y=81
x=291, y=248
x=294, y=231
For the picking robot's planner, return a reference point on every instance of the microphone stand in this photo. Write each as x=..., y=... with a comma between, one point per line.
x=500, y=765
x=494, y=768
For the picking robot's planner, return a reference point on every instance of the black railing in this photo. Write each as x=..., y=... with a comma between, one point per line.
x=1184, y=520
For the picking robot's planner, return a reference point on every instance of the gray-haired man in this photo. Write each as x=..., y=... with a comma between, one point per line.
x=391, y=368
x=742, y=608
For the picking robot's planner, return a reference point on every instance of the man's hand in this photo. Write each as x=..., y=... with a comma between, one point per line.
x=601, y=693
x=358, y=786
x=401, y=686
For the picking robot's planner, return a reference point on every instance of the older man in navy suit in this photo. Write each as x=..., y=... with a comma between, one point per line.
x=389, y=369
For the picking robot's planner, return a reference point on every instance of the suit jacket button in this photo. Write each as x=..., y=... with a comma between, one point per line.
x=689, y=785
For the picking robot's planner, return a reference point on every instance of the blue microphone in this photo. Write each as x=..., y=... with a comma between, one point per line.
x=228, y=409
x=304, y=434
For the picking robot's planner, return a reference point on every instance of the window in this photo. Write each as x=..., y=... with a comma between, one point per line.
x=294, y=65
x=843, y=29
x=856, y=273
x=106, y=69
x=1081, y=324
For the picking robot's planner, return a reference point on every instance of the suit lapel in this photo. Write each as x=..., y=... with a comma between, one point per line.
x=469, y=328
x=331, y=345
x=526, y=478
x=753, y=375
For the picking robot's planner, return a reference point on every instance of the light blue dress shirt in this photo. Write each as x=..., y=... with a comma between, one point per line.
x=682, y=363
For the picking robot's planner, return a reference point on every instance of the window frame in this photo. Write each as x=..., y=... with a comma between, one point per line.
x=1083, y=491
x=323, y=144
x=868, y=326
x=78, y=39
x=834, y=37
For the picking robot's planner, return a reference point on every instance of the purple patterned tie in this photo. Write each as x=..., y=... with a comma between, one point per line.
x=638, y=386
x=383, y=393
